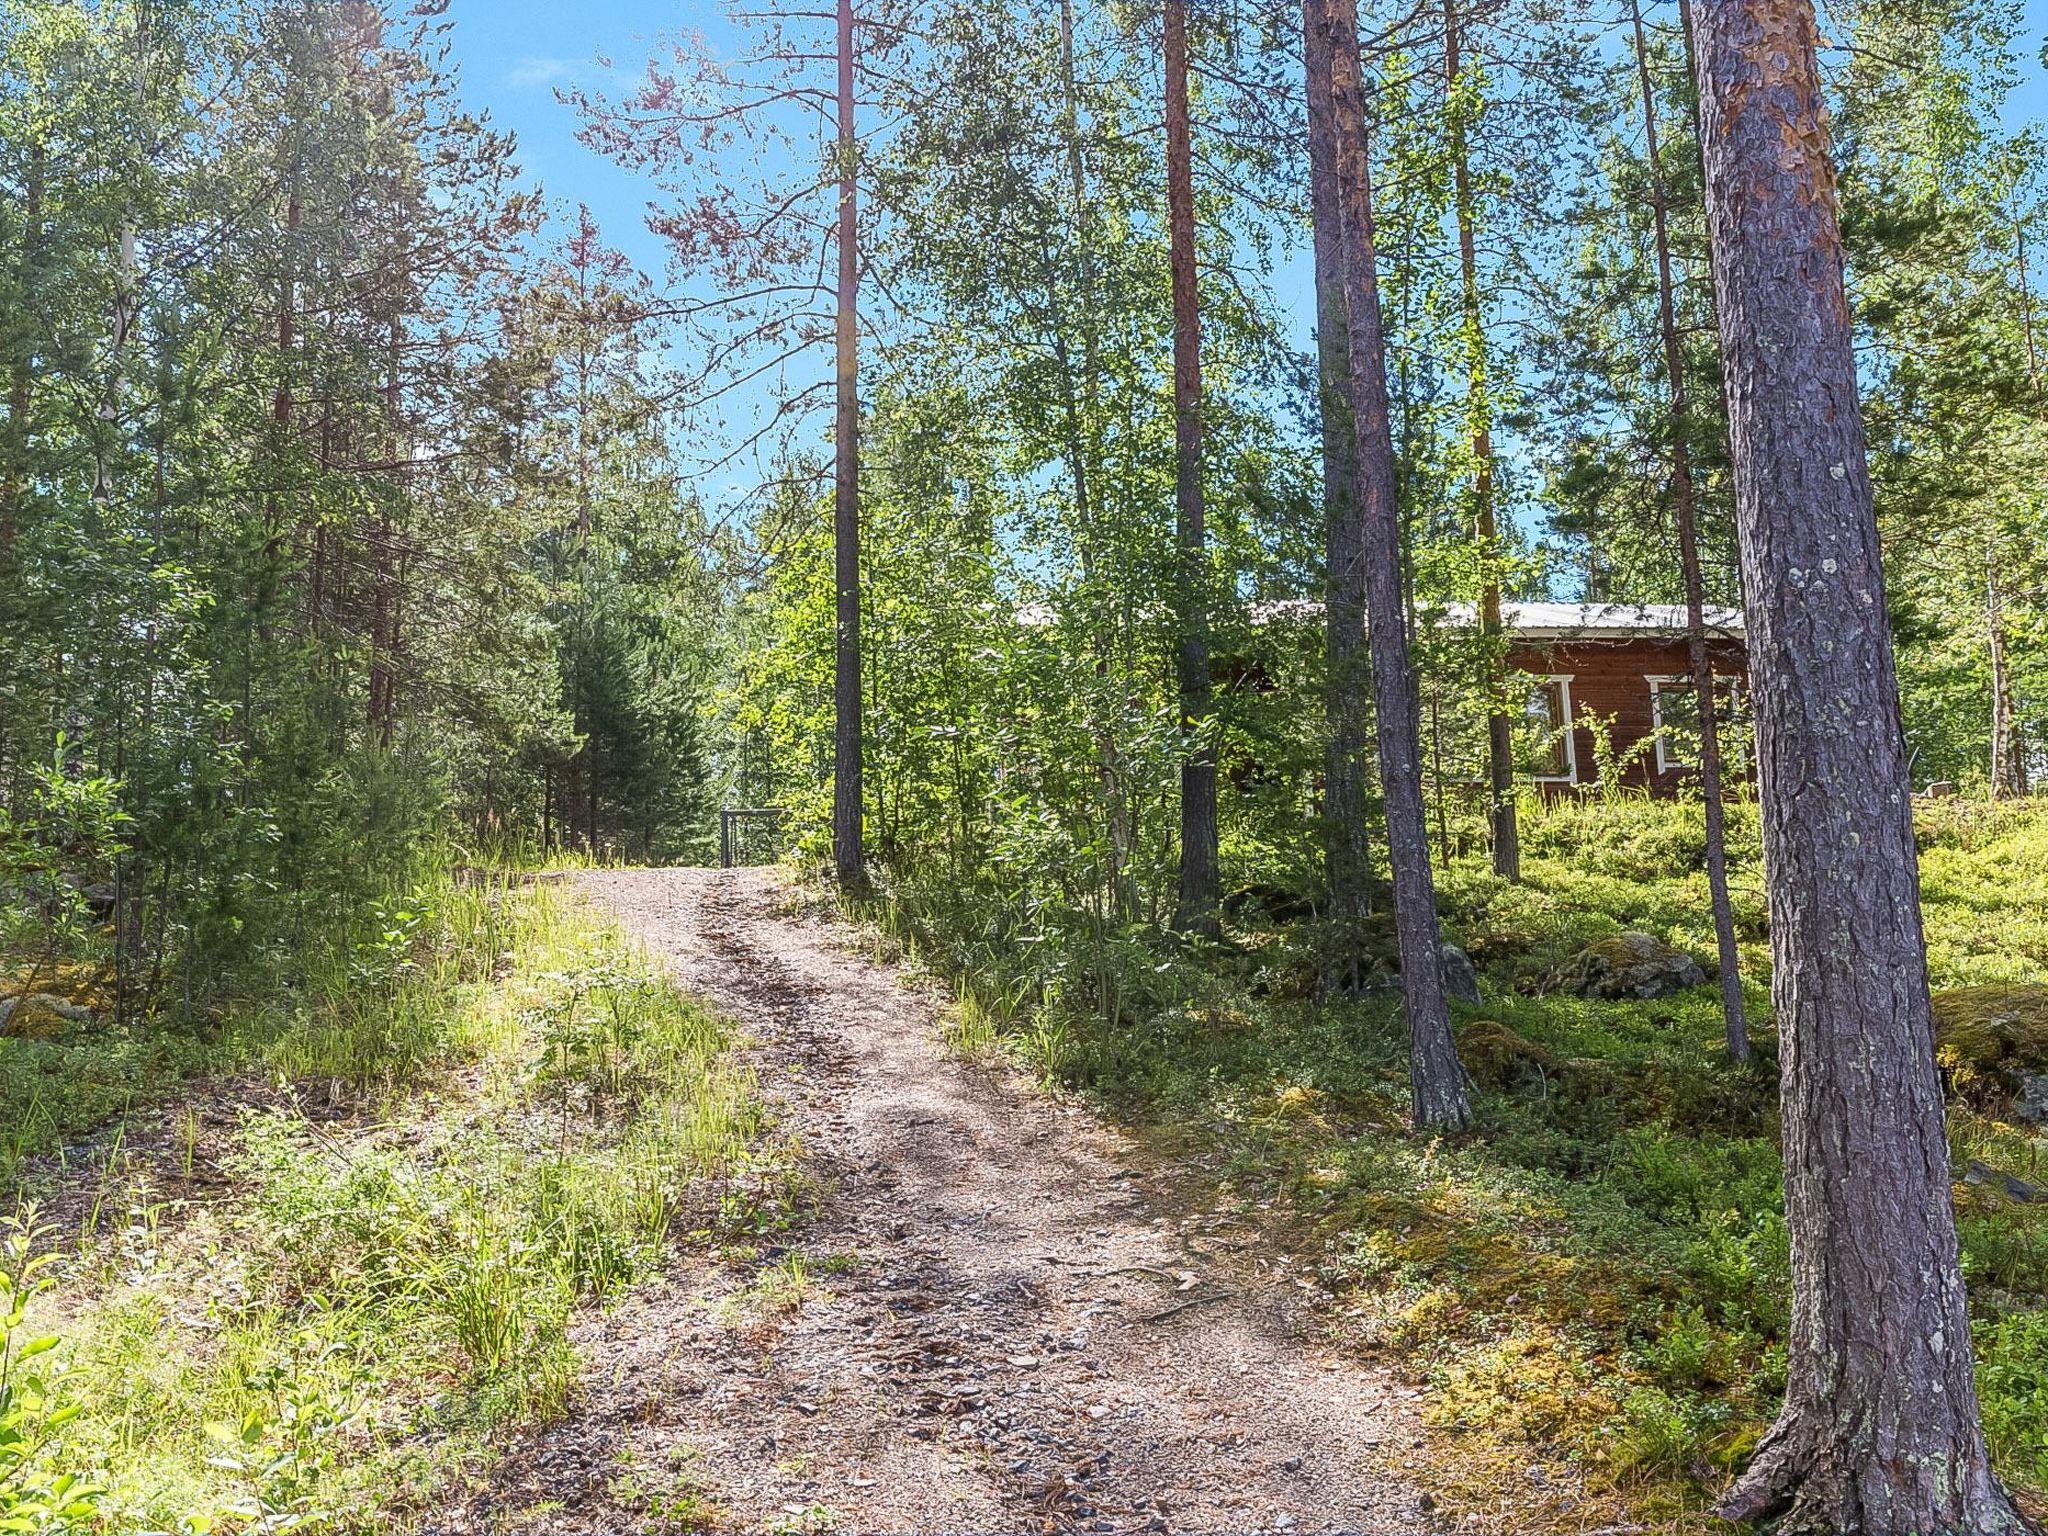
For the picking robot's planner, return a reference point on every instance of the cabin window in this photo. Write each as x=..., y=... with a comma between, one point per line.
x=1675, y=718
x=1547, y=752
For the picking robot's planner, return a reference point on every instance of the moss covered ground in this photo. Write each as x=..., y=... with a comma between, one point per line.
x=1594, y=1283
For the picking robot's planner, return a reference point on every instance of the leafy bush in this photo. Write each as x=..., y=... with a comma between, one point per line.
x=2012, y=1381
x=38, y=1490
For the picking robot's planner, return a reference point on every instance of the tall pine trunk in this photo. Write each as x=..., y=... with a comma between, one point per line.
x=2008, y=755
x=1735, y=1027
x=1347, y=679
x=14, y=445
x=1196, y=910
x=1879, y=1432
x=846, y=683
x=1436, y=1078
x=1500, y=743
x=127, y=297
x=384, y=536
x=2019, y=251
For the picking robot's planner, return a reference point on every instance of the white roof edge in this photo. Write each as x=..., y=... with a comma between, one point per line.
x=1551, y=621
x=1527, y=620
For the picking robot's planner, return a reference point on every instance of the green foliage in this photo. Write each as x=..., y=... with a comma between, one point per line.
x=39, y=1490
x=357, y=531
x=374, y=544
x=387, y=1291
x=2012, y=1381
x=1601, y=1274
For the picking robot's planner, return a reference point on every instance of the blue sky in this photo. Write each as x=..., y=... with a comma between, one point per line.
x=514, y=55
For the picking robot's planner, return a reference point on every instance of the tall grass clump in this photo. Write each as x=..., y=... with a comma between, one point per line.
x=499, y=1114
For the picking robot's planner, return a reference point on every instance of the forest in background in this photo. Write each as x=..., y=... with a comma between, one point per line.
x=356, y=495
x=366, y=518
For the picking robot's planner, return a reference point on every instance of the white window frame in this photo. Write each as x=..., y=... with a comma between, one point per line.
x=1658, y=681
x=1571, y=747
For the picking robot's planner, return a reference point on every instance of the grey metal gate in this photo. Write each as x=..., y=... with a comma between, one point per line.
x=733, y=822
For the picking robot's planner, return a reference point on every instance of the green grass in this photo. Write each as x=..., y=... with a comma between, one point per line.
x=1596, y=1281
x=510, y=1118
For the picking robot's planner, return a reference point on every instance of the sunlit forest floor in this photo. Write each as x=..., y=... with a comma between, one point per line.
x=1593, y=1286
x=314, y=1289
x=423, y=1240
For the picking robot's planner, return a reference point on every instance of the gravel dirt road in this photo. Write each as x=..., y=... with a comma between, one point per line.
x=1010, y=1324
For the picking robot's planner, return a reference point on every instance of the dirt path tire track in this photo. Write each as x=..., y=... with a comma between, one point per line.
x=1026, y=1335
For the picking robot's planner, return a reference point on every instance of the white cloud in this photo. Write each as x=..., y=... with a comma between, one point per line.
x=532, y=72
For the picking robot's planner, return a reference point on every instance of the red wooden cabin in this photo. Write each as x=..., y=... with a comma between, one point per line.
x=1620, y=670
x=1623, y=668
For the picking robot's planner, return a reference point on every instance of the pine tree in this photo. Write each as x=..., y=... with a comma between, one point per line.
x=1436, y=1077
x=1879, y=1432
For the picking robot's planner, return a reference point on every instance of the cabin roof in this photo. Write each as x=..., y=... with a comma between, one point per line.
x=1568, y=621
x=1523, y=621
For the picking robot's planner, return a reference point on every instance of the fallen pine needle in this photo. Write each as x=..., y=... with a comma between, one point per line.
x=1197, y=1301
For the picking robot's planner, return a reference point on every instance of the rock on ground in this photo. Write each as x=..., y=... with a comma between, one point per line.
x=1992, y=1042
x=1636, y=965
x=1461, y=979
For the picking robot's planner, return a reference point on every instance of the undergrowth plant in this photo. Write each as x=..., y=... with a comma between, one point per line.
x=43, y=1488
x=510, y=1117
x=1596, y=1282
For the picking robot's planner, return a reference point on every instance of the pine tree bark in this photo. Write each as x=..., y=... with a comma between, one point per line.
x=1196, y=908
x=383, y=678
x=2019, y=251
x=384, y=538
x=2008, y=759
x=847, y=860
x=127, y=298
x=16, y=441
x=1500, y=741
x=1347, y=679
x=1679, y=414
x=1437, y=1081
x=1080, y=407
x=1879, y=1434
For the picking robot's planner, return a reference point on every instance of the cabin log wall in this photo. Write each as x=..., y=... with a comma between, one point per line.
x=1611, y=678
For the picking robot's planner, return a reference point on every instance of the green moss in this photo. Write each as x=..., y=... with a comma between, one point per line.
x=1599, y=1276
x=1986, y=1035
x=1497, y=1057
